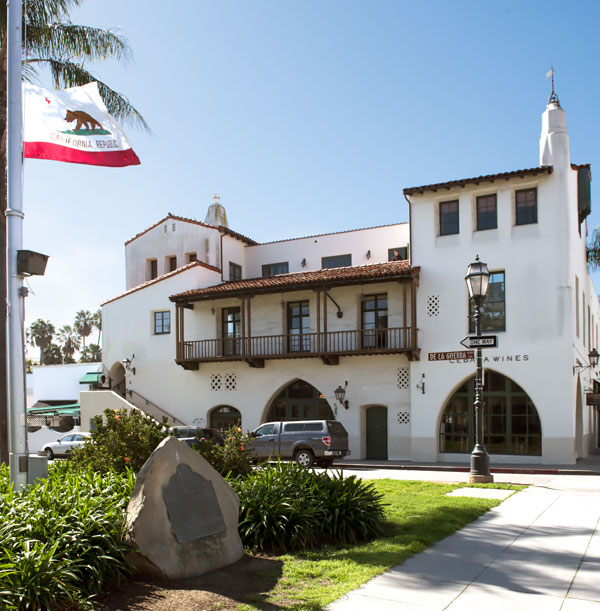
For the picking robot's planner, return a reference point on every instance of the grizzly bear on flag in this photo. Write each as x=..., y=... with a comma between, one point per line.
x=82, y=119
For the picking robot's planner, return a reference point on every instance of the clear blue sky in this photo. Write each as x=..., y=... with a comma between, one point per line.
x=306, y=117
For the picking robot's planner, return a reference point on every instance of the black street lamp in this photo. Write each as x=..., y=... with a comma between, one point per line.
x=477, y=280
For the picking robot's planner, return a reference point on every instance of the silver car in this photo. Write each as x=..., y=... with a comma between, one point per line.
x=63, y=444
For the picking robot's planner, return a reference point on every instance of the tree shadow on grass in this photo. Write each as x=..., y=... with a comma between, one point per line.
x=248, y=580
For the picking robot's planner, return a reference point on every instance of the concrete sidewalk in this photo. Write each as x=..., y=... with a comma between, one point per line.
x=538, y=550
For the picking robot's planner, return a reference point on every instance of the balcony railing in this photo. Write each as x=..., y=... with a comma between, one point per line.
x=326, y=345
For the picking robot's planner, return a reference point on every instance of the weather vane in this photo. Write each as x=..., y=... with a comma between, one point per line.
x=553, y=97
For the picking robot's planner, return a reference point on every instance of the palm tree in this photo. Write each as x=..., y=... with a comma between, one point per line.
x=53, y=355
x=97, y=320
x=83, y=324
x=69, y=340
x=91, y=354
x=41, y=333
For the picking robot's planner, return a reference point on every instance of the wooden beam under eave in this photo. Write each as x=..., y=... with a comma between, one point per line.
x=256, y=363
x=187, y=306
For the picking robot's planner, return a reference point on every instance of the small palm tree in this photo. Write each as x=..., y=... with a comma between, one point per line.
x=41, y=333
x=91, y=354
x=53, y=355
x=69, y=341
x=83, y=324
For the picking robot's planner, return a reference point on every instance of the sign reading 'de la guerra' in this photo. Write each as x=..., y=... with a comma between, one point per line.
x=451, y=356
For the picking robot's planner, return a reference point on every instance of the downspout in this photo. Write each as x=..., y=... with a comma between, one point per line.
x=221, y=253
x=409, y=229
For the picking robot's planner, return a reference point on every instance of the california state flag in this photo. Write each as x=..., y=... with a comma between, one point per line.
x=73, y=125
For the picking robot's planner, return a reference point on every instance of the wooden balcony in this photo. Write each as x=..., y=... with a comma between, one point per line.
x=328, y=346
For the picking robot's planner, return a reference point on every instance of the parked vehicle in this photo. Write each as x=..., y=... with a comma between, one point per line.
x=192, y=434
x=63, y=444
x=305, y=441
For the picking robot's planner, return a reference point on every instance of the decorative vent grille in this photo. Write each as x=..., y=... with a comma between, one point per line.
x=403, y=417
x=433, y=305
x=230, y=381
x=403, y=378
x=216, y=381
x=225, y=381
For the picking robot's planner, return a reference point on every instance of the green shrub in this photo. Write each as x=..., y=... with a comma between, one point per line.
x=61, y=539
x=231, y=459
x=287, y=507
x=122, y=440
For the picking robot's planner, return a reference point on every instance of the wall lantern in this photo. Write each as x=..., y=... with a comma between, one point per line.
x=127, y=364
x=368, y=254
x=303, y=263
x=340, y=395
x=593, y=359
x=421, y=384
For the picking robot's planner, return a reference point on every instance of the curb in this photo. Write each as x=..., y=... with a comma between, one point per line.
x=466, y=469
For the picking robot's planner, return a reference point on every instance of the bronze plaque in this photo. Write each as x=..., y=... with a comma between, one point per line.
x=192, y=506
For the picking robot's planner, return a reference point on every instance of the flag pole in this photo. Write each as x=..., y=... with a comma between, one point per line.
x=18, y=456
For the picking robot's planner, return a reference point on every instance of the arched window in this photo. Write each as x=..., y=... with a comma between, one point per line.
x=511, y=424
x=224, y=417
x=299, y=401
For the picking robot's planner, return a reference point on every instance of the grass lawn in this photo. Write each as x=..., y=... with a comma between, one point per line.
x=418, y=513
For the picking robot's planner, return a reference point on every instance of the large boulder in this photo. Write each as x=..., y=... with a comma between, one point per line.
x=182, y=516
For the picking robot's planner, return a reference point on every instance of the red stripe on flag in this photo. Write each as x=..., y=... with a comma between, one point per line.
x=56, y=152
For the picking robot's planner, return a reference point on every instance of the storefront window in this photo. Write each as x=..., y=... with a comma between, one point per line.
x=511, y=424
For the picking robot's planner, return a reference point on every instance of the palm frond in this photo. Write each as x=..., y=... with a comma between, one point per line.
x=39, y=12
x=593, y=250
x=69, y=74
x=66, y=40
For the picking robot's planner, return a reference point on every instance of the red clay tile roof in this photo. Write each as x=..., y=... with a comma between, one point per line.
x=222, y=229
x=544, y=169
x=183, y=268
x=338, y=276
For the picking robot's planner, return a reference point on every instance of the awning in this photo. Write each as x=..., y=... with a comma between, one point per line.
x=55, y=410
x=91, y=377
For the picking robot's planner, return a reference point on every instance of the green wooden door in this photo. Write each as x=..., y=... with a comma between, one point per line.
x=377, y=435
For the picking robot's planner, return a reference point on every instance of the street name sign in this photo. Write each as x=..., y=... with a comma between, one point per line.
x=457, y=355
x=486, y=341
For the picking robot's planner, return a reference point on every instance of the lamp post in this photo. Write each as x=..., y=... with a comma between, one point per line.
x=477, y=280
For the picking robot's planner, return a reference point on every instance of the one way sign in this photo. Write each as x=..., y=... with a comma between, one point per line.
x=487, y=341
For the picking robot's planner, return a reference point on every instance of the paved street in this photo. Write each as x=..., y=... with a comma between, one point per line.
x=538, y=550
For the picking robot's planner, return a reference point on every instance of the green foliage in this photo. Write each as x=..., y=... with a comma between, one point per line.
x=593, y=250
x=91, y=354
x=290, y=507
x=52, y=355
x=61, y=539
x=122, y=440
x=230, y=459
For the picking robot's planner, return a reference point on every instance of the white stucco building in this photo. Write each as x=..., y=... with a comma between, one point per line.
x=217, y=328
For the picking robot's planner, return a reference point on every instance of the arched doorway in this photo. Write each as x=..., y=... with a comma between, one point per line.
x=299, y=400
x=377, y=432
x=511, y=424
x=224, y=417
x=117, y=378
